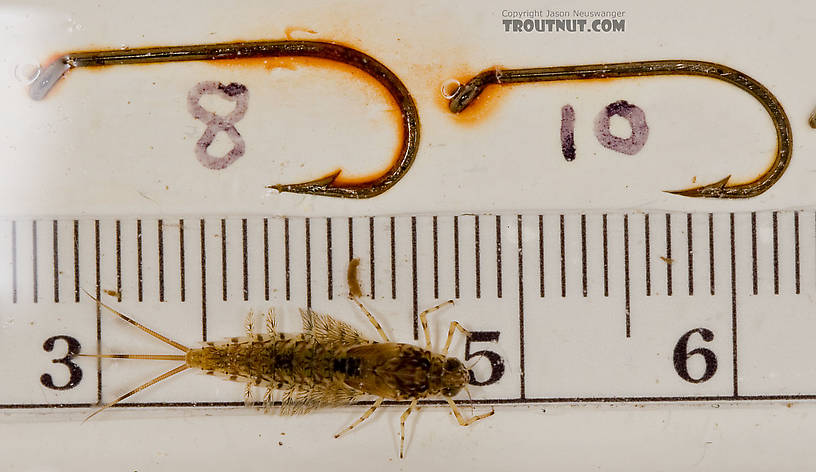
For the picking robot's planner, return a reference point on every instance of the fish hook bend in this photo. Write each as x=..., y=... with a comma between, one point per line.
x=318, y=49
x=468, y=92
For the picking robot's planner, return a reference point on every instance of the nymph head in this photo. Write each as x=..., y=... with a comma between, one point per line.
x=454, y=377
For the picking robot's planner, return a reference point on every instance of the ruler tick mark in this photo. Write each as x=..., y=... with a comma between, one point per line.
x=520, y=246
x=203, y=245
x=541, y=255
x=775, y=221
x=711, y=279
x=139, y=279
x=498, y=257
x=690, y=246
x=286, y=256
x=435, y=256
x=754, y=251
x=118, y=258
x=350, y=238
x=584, y=281
x=224, y=259
x=76, y=261
x=160, y=235
x=98, y=273
x=796, y=269
x=669, y=260
x=605, y=256
x=329, y=262
x=76, y=264
x=393, y=260
x=308, y=243
x=372, y=273
x=245, y=260
x=563, y=260
x=98, y=258
x=414, y=277
x=456, y=255
x=55, y=247
x=478, y=255
x=648, y=256
x=182, y=276
x=266, y=258
x=626, y=274
x=734, y=308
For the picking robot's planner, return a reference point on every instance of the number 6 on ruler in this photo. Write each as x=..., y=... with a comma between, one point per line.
x=682, y=355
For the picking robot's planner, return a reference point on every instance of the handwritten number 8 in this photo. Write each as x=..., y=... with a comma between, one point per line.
x=233, y=92
x=73, y=369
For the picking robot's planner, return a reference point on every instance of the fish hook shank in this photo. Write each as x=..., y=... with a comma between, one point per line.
x=326, y=186
x=468, y=92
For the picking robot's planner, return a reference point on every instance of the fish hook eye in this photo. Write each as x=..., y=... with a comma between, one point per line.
x=449, y=88
x=465, y=94
x=326, y=186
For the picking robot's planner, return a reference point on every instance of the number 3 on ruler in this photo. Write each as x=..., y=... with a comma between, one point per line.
x=682, y=355
x=74, y=371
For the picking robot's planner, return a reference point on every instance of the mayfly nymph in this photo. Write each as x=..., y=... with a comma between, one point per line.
x=328, y=364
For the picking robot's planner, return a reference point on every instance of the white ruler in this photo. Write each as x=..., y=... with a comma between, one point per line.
x=570, y=307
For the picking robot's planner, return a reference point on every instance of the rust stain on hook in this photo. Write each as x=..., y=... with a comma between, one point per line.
x=467, y=93
x=478, y=111
x=329, y=185
x=342, y=177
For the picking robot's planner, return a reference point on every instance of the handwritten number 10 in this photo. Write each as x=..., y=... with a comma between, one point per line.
x=630, y=146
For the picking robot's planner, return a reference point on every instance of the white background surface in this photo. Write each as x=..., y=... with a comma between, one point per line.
x=87, y=151
x=124, y=136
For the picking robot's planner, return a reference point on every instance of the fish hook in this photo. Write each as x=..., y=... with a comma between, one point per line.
x=468, y=92
x=328, y=185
